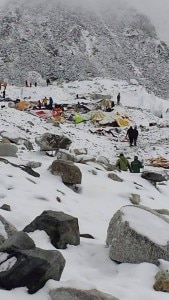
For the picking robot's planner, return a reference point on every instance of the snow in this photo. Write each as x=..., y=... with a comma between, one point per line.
x=87, y=265
x=153, y=227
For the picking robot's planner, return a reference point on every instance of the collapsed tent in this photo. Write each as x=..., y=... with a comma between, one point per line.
x=159, y=162
x=115, y=119
x=22, y=105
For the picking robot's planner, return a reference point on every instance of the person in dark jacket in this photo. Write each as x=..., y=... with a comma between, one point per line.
x=135, y=135
x=136, y=165
x=118, y=99
x=50, y=106
x=130, y=134
x=122, y=163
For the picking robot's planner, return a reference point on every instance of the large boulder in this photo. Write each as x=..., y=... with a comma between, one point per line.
x=8, y=150
x=49, y=141
x=62, y=229
x=19, y=240
x=30, y=268
x=77, y=294
x=138, y=234
x=6, y=230
x=162, y=281
x=153, y=176
x=69, y=172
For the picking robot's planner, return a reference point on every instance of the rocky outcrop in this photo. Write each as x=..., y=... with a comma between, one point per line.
x=62, y=229
x=115, y=177
x=112, y=40
x=132, y=240
x=69, y=172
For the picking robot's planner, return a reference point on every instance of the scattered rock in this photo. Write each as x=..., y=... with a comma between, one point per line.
x=18, y=240
x=103, y=160
x=62, y=229
x=135, y=199
x=34, y=164
x=62, y=155
x=6, y=230
x=80, y=151
x=69, y=172
x=49, y=141
x=8, y=150
x=30, y=268
x=162, y=281
x=77, y=294
x=6, y=207
x=86, y=235
x=163, y=211
x=115, y=177
x=153, y=176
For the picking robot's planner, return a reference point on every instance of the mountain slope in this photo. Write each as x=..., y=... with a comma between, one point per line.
x=71, y=42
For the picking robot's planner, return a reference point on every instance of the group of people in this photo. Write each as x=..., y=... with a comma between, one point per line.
x=123, y=164
x=132, y=134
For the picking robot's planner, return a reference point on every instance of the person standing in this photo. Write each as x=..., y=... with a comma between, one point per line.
x=3, y=94
x=136, y=165
x=130, y=134
x=135, y=135
x=123, y=163
x=118, y=99
x=47, y=81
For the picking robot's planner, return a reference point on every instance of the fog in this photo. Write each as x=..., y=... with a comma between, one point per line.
x=156, y=10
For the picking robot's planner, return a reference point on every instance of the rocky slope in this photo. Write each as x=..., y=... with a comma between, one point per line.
x=77, y=42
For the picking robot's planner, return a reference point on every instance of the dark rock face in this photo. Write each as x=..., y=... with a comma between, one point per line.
x=69, y=172
x=62, y=229
x=123, y=44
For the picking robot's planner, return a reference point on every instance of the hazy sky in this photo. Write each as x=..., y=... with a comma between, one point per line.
x=156, y=10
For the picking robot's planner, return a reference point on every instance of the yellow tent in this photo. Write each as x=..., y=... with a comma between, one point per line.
x=22, y=105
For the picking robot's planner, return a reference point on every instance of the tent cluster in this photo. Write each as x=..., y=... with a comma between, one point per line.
x=99, y=112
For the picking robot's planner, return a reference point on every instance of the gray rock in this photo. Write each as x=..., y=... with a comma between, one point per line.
x=162, y=211
x=152, y=176
x=62, y=229
x=6, y=207
x=69, y=172
x=6, y=230
x=17, y=140
x=76, y=294
x=8, y=150
x=34, y=164
x=49, y=141
x=129, y=244
x=19, y=240
x=115, y=177
x=80, y=151
x=111, y=167
x=103, y=160
x=135, y=199
x=30, y=268
x=162, y=281
x=62, y=155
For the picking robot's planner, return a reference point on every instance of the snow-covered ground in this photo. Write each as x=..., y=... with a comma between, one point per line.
x=87, y=265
